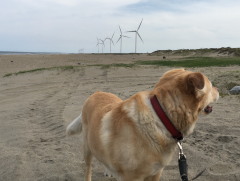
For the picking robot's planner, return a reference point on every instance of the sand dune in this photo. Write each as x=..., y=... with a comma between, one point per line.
x=36, y=107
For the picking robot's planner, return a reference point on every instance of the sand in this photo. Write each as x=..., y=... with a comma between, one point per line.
x=36, y=107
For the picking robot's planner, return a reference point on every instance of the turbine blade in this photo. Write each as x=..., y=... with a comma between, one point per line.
x=139, y=36
x=132, y=31
x=102, y=42
x=120, y=30
x=125, y=36
x=99, y=43
x=112, y=41
x=119, y=39
x=113, y=35
x=139, y=25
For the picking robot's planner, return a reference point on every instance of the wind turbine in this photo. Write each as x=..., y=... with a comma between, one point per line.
x=136, y=35
x=120, y=38
x=110, y=41
x=98, y=43
x=102, y=43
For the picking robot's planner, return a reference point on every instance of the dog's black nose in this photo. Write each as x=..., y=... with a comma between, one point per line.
x=208, y=109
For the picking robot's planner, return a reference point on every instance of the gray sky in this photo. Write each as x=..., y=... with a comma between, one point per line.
x=70, y=25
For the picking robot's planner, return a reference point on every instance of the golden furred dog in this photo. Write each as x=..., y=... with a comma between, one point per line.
x=129, y=138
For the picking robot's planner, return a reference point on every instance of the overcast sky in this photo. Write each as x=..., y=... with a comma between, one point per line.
x=70, y=25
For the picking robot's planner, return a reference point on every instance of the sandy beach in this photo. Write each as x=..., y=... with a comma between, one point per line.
x=36, y=107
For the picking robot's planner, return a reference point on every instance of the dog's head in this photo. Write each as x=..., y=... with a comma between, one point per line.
x=184, y=95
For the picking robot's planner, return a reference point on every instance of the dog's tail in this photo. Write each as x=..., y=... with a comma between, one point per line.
x=75, y=126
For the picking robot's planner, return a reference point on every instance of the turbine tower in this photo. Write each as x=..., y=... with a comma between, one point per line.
x=136, y=35
x=120, y=38
x=110, y=41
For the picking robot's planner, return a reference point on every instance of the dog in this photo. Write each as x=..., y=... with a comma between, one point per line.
x=129, y=137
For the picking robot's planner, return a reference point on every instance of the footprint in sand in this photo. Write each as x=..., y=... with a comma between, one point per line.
x=221, y=169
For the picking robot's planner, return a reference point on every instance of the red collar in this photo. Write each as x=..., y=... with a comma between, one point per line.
x=165, y=120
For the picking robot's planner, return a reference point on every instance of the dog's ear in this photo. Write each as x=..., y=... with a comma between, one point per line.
x=195, y=83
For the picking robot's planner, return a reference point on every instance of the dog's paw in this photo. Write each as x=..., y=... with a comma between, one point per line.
x=107, y=173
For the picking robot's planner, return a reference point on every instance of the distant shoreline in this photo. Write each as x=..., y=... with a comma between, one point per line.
x=27, y=53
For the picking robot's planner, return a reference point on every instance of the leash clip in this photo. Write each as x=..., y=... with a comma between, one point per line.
x=179, y=143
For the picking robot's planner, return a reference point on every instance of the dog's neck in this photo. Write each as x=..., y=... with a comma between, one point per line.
x=164, y=118
x=181, y=115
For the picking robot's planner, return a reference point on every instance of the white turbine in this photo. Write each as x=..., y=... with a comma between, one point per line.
x=136, y=35
x=98, y=43
x=110, y=41
x=102, y=43
x=120, y=38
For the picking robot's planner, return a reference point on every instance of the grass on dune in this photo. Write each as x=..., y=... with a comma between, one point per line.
x=194, y=62
x=105, y=66
x=184, y=62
